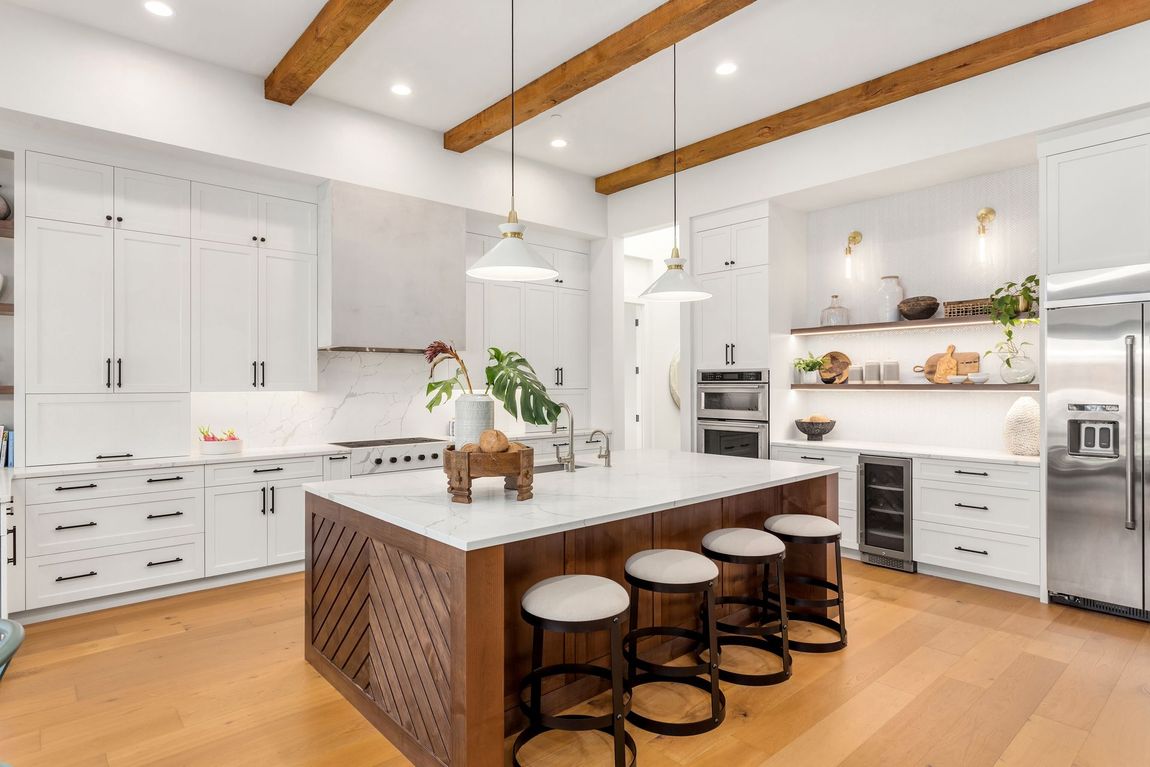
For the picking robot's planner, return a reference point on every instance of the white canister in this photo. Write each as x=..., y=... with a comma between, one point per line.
x=872, y=373
x=889, y=296
x=855, y=374
x=474, y=414
x=890, y=371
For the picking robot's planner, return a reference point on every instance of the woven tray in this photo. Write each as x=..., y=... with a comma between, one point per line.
x=974, y=307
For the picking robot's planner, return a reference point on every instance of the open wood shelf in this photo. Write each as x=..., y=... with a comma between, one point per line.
x=7, y=310
x=915, y=387
x=872, y=327
x=6, y=229
x=7, y=391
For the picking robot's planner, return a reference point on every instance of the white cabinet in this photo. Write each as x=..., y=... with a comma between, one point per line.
x=80, y=428
x=736, y=246
x=539, y=332
x=222, y=214
x=147, y=202
x=574, y=269
x=63, y=189
x=1098, y=206
x=152, y=335
x=288, y=328
x=713, y=321
x=503, y=315
x=732, y=324
x=337, y=467
x=288, y=225
x=254, y=524
x=572, y=310
x=286, y=521
x=69, y=271
x=712, y=250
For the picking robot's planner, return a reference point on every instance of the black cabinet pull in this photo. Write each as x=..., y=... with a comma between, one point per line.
x=726, y=354
x=263, y=500
x=107, y=218
x=75, y=527
x=811, y=458
x=556, y=376
x=12, y=531
x=119, y=373
x=75, y=487
x=117, y=455
x=166, y=562
x=108, y=373
x=263, y=239
x=119, y=219
x=562, y=375
x=972, y=473
x=337, y=457
x=263, y=374
x=732, y=347
x=255, y=375
x=972, y=551
x=60, y=578
x=164, y=479
x=163, y=516
x=255, y=239
x=265, y=471
x=968, y=506
x=272, y=507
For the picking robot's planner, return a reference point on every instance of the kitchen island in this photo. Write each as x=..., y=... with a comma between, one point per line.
x=413, y=601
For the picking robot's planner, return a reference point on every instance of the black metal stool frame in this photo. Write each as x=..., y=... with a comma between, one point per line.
x=689, y=675
x=838, y=601
x=770, y=637
x=539, y=723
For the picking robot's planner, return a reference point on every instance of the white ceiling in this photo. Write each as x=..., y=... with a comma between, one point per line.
x=454, y=54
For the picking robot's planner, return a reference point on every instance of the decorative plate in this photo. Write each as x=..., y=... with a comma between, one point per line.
x=835, y=369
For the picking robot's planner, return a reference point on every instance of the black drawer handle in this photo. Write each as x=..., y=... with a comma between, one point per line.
x=559, y=444
x=118, y=455
x=264, y=471
x=972, y=551
x=12, y=531
x=811, y=458
x=75, y=487
x=968, y=506
x=75, y=527
x=164, y=479
x=972, y=473
x=165, y=516
x=60, y=578
x=338, y=457
x=166, y=562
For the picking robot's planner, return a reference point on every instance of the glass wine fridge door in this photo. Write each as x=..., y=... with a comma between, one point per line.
x=885, y=507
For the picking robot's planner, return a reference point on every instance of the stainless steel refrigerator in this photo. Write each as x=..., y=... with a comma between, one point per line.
x=1095, y=429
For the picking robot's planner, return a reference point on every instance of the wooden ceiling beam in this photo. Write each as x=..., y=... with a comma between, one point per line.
x=668, y=24
x=331, y=32
x=1075, y=25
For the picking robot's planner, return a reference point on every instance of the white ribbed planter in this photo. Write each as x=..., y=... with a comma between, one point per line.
x=474, y=414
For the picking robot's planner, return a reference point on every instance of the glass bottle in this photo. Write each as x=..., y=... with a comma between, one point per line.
x=889, y=296
x=835, y=314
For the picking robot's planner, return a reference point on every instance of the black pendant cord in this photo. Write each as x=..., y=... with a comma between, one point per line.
x=513, y=104
x=675, y=139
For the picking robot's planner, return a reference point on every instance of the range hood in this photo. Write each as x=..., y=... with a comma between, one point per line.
x=392, y=271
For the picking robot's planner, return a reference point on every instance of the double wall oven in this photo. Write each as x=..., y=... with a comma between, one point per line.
x=733, y=413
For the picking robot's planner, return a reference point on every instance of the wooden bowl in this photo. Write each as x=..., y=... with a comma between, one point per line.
x=835, y=369
x=918, y=307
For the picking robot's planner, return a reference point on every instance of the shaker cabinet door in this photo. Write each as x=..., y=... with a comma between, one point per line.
x=63, y=189
x=236, y=528
x=715, y=319
x=539, y=346
x=286, y=520
x=69, y=307
x=288, y=225
x=749, y=244
x=225, y=317
x=503, y=316
x=751, y=338
x=289, y=344
x=713, y=250
x=223, y=214
x=571, y=321
x=146, y=202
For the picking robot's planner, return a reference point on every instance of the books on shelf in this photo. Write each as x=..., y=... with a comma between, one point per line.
x=7, y=448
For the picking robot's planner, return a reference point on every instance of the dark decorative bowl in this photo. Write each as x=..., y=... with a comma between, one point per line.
x=918, y=307
x=815, y=429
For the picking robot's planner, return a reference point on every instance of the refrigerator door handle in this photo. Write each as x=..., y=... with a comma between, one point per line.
x=1131, y=443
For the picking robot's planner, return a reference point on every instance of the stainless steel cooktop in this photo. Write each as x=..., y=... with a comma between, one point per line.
x=387, y=442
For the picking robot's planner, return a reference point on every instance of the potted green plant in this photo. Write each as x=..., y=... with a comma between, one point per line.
x=809, y=367
x=1013, y=305
x=509, y=377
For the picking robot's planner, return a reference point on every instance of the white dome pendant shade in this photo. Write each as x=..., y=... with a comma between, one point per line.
x=675, y=284
x=512, y=259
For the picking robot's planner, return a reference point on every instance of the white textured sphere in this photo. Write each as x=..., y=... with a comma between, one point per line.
x=1020, y=430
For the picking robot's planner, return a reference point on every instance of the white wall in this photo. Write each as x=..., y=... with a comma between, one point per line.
x=80, y=75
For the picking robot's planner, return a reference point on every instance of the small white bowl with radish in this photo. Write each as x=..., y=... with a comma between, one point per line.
x=226, y=444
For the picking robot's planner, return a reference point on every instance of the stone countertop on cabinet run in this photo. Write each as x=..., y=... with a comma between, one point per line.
x=639, y=482
x=913, y=451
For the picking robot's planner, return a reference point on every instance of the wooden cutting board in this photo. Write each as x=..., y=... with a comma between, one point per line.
x=968, y=362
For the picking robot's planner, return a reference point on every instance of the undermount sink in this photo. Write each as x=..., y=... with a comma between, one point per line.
x=553, y=467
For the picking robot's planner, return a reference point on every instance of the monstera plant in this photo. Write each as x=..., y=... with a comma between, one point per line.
x=510, y=379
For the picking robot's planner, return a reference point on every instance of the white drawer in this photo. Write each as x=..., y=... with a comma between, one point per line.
x=253, y=471
x=847, y=461
x=848, y=490
x=976, y=473
x=1010, y=557
x=82, y=428
x=849, y=523
x=83, y=487
x=999, y=509
x=84, y=525
x=61, y=578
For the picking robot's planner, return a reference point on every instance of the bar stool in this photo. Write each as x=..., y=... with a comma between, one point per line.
x=672, y=571
x=757, y=548
x=812, y=530
x=575, y=604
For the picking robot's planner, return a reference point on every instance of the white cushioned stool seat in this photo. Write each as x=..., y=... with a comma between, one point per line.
x=576, y=598
x=743, y=542
x=802, y=526
x=671, y=566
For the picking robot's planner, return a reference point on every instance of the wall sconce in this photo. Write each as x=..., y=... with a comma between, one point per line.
x=854, y=238
x=984, y=216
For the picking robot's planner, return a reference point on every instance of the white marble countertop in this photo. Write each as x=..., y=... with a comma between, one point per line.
x=6, y=485
x=639, y=482
x=194, y=459
x=913, y=451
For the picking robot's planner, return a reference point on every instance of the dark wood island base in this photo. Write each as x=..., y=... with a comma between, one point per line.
x=426, y=639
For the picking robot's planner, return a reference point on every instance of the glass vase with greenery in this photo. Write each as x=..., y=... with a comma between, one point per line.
x=1013, y=305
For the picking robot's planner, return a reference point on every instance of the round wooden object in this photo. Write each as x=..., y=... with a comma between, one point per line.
x=516, y=467
x=835, y=369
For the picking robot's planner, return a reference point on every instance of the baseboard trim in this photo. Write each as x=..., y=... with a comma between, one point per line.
x=1025, y=589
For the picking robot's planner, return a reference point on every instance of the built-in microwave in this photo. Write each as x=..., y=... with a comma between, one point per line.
x=743, y=395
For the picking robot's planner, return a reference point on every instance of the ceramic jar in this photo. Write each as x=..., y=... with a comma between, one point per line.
x=474, y=414
x=835, y=314
x=890, y=294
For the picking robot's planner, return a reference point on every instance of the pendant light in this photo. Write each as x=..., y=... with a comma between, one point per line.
x=512, y=259
x=675, y=284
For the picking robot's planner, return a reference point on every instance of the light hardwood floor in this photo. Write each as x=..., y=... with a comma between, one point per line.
x=937, y=673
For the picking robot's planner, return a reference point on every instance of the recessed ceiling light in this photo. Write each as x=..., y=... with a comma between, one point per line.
x=399, y=89
x=158, y=8
x=558, y=143
x=726, y=68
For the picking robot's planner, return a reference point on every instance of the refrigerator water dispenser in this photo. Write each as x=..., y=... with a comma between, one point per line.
x=1092, y=439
